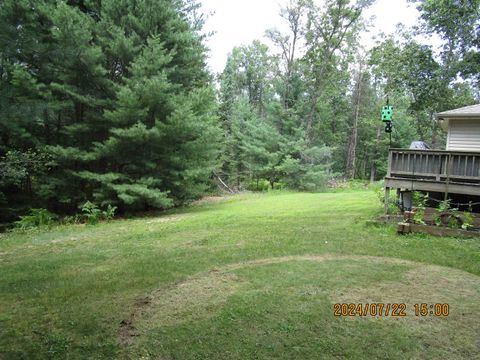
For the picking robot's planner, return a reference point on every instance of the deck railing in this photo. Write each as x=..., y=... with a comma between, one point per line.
x=436, y=165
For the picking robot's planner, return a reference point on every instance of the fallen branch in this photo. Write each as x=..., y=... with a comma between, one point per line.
x=225, y=185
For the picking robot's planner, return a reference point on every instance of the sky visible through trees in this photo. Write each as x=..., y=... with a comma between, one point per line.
x=226, y=17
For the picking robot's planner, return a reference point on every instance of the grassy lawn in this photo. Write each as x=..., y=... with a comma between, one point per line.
x=248, y=277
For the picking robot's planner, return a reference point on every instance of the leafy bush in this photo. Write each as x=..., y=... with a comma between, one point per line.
x=348, y=184
x=420, y=201
x=259, y=185
x=93, y=214
x=452, y=218
x=418, y=216
x=445, y=215
x=445, y=206
x=467, y=220
x=393, y=207
x=279, y=186
x=109, y=213
x=75, y=219
x=36, y=218
x=340, y=184
x=43, y=218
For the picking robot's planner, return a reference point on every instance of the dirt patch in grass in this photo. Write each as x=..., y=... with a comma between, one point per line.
x=203, y=295
x=128, y=330
x=326, y=257
x=195, y=298
x=57, y=241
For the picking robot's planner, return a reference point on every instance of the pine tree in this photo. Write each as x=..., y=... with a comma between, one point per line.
x=161, y=144
x=117, y=94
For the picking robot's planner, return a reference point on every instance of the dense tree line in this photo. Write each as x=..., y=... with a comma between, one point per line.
x=311, y=104
x=107, y=101
x=110, y=100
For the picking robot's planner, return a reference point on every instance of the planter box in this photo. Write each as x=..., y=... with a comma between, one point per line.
x=405, y=228
x=431, y=213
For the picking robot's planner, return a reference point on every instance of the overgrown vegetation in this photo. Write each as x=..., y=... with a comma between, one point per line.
x=420, y=201
x=90, y=214
x=393, y=207
x=444, y=214
x=93, y=214
x=36, y=218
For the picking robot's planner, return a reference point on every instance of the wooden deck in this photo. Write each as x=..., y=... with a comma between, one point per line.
x=454, y=172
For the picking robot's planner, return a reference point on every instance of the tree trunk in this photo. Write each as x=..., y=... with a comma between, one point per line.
x=310, y=119
x=434, y=131
x=373, y=168
x=290, y=61
x=352, y=145
x=373, y=172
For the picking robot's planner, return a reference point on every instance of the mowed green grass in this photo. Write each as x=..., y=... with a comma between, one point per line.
x=252, y=276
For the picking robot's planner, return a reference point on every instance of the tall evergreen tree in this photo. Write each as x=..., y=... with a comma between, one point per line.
x=117, y=94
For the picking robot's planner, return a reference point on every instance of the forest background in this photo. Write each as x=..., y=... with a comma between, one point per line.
x=111, y=101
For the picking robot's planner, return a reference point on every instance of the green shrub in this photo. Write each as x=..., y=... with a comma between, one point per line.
x=420, y=203
x=109, y=213
x=93, y=214
x=36, y=218
x=393, y=207
x=342, y=185
x=279, y=186
x=445, y=215
x=258, y=185
x=468, y=219
x=419, y=199
x=444, y=206
x=74, y=219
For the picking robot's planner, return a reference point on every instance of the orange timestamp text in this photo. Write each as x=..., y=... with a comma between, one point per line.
x=390, y=309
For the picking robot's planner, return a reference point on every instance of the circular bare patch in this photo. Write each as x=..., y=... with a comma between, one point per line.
x=204, y=295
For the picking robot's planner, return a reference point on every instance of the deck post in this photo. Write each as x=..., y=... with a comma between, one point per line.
x=449, y=172
x=387, y=199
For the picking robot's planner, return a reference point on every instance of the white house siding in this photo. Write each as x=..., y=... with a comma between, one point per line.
x=464, y=135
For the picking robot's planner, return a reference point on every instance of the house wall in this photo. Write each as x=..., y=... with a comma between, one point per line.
x=464, y=134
